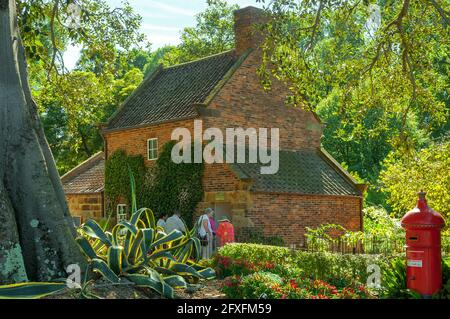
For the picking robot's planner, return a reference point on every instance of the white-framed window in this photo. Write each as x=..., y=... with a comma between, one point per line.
x=121, y=212
x=152, y=149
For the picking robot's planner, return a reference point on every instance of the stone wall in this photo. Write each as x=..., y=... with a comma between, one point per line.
x=86, y=206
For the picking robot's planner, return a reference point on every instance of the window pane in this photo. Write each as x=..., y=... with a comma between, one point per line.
x=152, y=149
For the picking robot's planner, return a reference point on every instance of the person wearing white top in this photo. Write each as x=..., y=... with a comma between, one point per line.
x=162, y=222
x=205, y=230
x=175, y=223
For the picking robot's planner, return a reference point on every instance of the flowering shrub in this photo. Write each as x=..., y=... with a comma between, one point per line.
x=270, y=286
x=337, y=269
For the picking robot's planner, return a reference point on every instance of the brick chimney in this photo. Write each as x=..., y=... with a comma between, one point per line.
x=246, y=23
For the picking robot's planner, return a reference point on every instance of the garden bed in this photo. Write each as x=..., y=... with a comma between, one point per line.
x=256, y=271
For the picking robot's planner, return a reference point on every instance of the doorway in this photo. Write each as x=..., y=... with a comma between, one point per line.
x=222, y=209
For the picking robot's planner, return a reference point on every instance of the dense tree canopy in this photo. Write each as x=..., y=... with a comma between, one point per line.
x=213, y=33
x=375, y=71
x=387, y=55
x=114, y=55
x=428, y=169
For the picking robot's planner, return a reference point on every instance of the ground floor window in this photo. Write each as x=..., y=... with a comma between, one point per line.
x=121, y=212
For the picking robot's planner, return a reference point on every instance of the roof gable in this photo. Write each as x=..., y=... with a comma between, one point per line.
x=172, y=93
x=86, y=178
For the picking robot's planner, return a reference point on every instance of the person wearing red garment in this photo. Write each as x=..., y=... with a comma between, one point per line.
x=225, y=232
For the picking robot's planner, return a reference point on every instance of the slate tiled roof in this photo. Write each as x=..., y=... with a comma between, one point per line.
x=170, y=93
x=87, y=178
x=300, y=172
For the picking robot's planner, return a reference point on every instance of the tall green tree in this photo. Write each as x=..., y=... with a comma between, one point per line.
x=427, y=169
x=384, y=55
x=37, y=234
x=213, y=33
x=72, y=103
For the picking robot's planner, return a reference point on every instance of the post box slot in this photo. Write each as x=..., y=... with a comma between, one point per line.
x=414, y=238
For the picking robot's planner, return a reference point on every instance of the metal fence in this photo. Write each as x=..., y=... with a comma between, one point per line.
x=367, y=245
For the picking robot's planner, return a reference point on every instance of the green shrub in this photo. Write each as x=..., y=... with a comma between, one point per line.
x=172, y=186
x=163, y=188
x=340, y=269
x=260, y=283
x=117, y=179
x=267, y=285
x=254, y=253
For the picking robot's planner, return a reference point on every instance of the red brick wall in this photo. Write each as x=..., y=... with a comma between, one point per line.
x=287, y=216
x=219, y=178
x=134, y=141
x=243, y=103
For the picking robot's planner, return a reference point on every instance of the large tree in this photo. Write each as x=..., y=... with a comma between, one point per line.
x=213, y=33
x=72, y=102
x=36, y=231
x=385, y=55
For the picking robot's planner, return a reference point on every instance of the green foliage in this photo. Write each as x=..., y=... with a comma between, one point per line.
x=212, y=34
x=117, y=179
x=30, y=290
x=73, y=103
x=265, y=285
x=427, y=169
x=70, y=111
x=256, y=253
x=254, y=235
x=394, y=281
x=378, y=222
x=336, y=268
x=397, y=68
x=141, y=252
x=379, y=85
x=172, y=186
x=125, y=86
x=445, y=292
x=363, y=145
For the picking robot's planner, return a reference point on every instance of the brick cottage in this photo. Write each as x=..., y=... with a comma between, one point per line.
x=224, y=91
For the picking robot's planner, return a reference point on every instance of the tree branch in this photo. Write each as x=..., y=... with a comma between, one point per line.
x=444, y=14
x=315, y=26
x=53, y=39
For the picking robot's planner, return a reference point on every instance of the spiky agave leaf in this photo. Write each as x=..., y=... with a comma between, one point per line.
x=30, y=290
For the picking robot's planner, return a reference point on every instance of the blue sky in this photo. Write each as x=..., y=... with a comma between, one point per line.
x=163, y=20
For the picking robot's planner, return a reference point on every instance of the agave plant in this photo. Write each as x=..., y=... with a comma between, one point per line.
x=143, y=253
x=31, y=290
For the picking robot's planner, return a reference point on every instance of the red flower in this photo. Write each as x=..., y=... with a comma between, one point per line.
x=293, y=284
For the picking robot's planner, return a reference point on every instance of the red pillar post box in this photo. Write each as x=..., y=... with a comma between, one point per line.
x=423, y=248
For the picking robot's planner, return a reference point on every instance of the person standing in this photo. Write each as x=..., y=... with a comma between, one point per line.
x=225, y=232
x=205, y=233
x=162, y=222
x=175, y=222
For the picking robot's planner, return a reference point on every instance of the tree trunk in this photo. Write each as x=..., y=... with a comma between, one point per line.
x=36, y=230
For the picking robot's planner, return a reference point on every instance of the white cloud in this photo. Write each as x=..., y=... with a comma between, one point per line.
x=159, y=41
